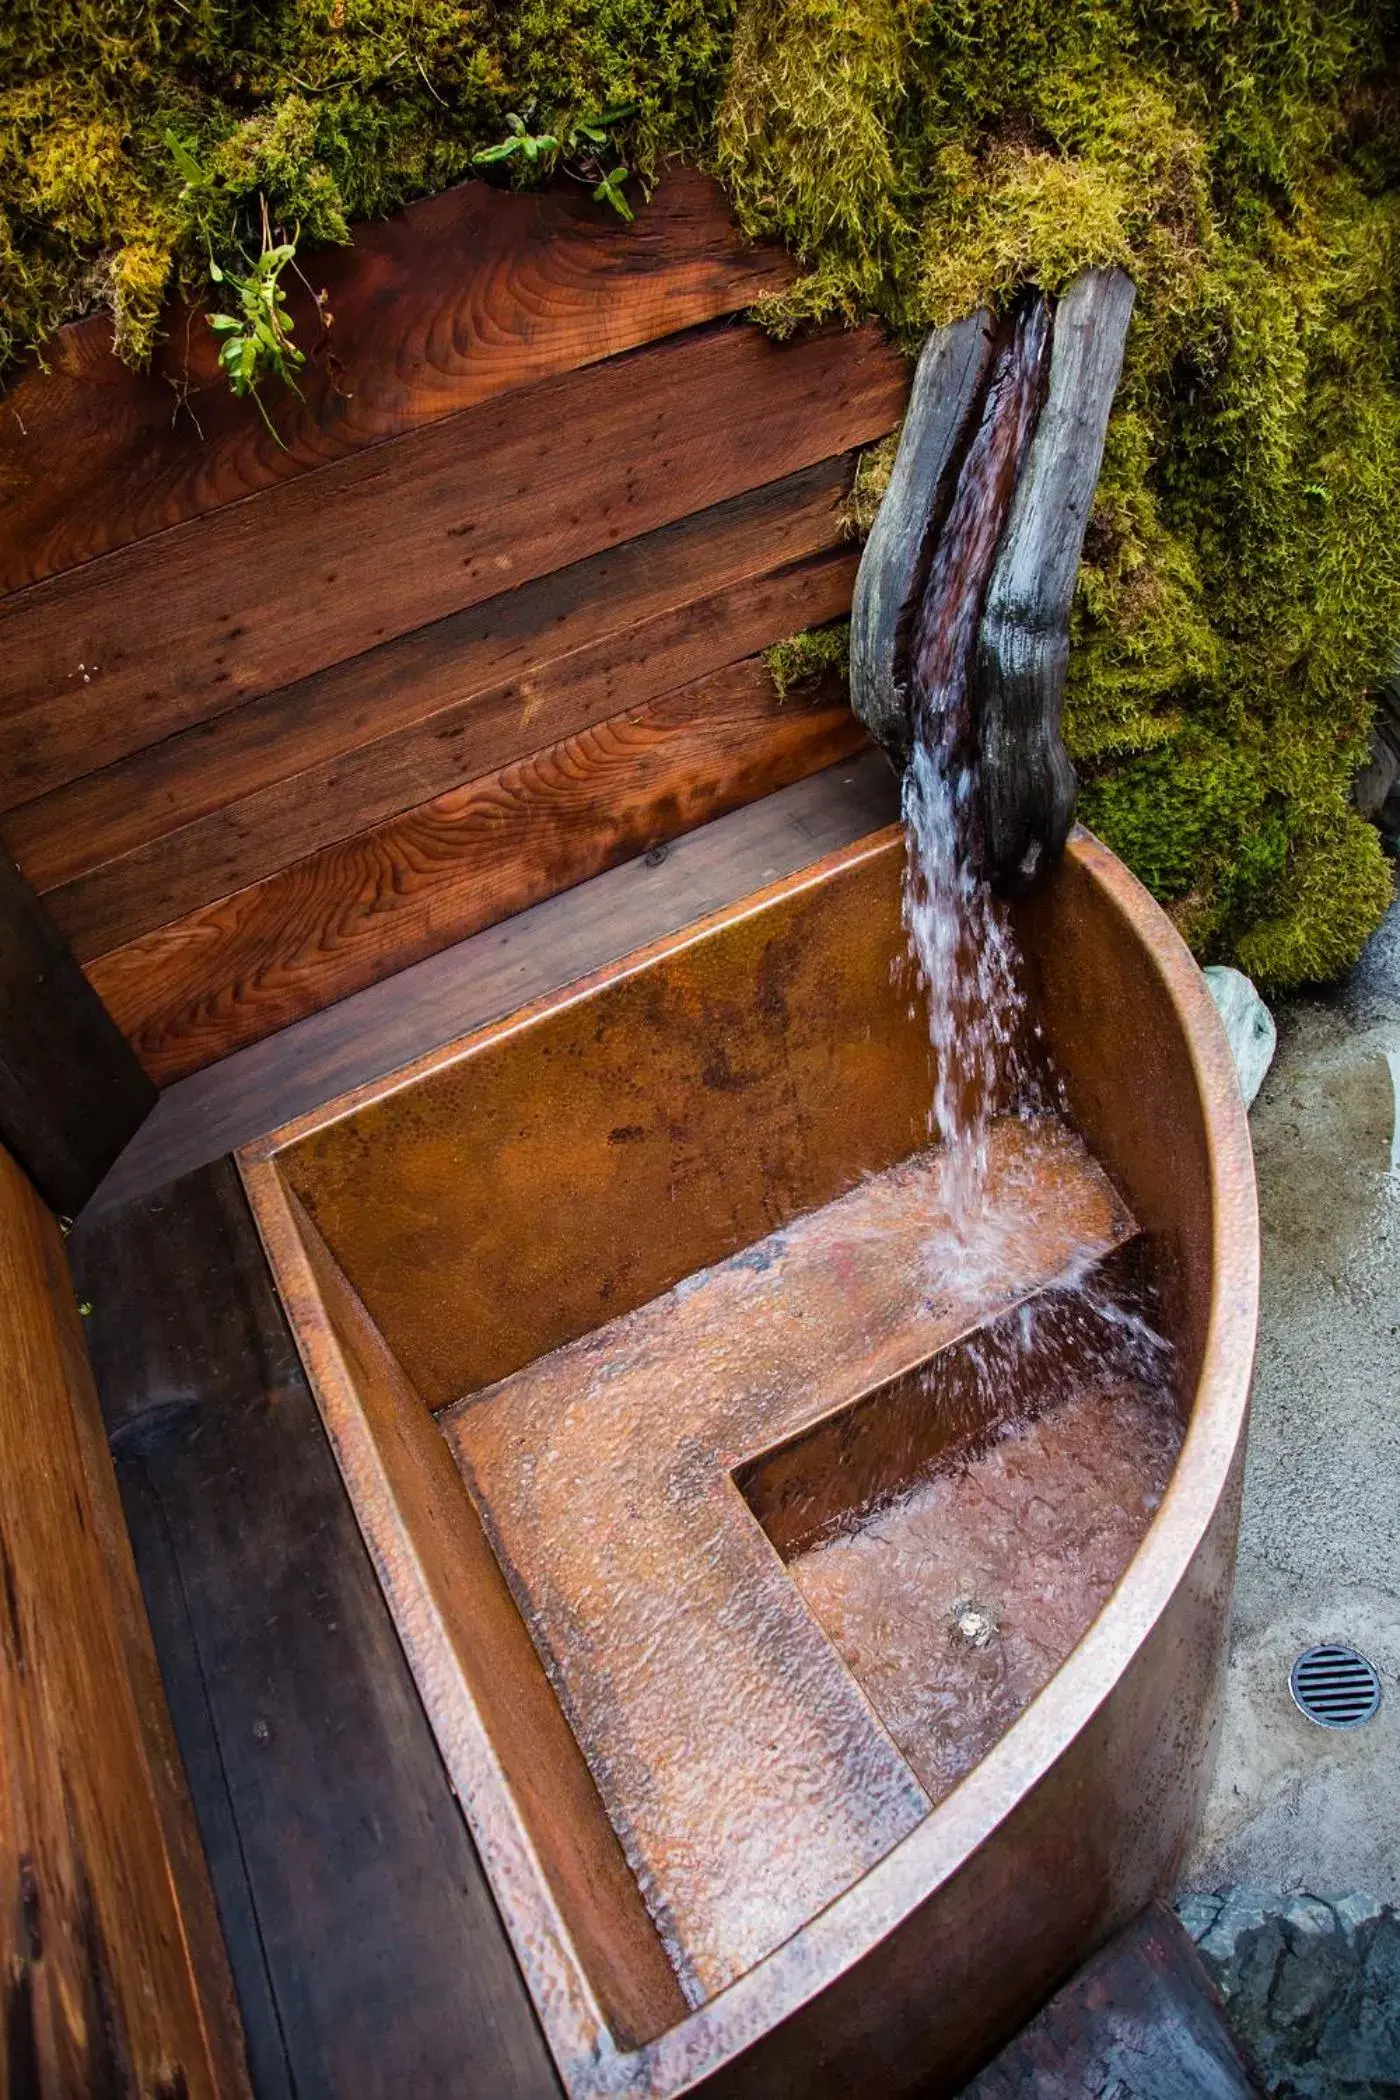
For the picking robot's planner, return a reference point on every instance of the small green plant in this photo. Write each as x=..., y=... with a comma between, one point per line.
x=255, y=343
x=255, y=339
x=609, y=191
x=520, y=143
x=574, y=143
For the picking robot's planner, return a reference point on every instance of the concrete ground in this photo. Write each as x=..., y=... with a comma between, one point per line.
x=1296, y=1806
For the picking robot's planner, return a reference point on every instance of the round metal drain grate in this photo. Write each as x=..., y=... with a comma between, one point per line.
x=1335, y=1686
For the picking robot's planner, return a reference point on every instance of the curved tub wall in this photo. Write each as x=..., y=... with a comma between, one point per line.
x=1150, y=1080
x=925, y=1965
x=1086, y=1806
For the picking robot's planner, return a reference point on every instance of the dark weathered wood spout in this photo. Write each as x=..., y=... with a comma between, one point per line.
x=949, y=382
x=1028, y=785
x=942, y=656
x=1014, y=654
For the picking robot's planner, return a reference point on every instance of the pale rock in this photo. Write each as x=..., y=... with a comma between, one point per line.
x=1353, y=1911
x=1242, y=1909
x=1199, y=1911
x=1249, y=1026
x=1309, y=1914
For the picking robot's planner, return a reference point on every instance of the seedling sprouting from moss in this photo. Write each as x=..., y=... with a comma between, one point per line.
x=575, y=143
x=609, y=191
x=255, y=340
x=520, y=143
x=255, y=343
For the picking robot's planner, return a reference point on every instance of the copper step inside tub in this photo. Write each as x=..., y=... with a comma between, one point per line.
x=822, y=1634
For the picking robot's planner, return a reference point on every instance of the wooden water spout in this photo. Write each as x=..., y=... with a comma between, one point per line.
x=949, y=382
x=962, y=602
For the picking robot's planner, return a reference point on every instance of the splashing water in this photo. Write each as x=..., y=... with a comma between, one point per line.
x=959, y=936
x=965, y=963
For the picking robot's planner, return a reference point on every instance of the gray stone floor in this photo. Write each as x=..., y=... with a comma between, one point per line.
x=1312, y=1989
x=1302, y=1830
x=1296, y=1806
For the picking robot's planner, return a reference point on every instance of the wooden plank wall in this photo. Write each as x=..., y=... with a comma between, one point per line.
x=280, y=719
x=111, y=1960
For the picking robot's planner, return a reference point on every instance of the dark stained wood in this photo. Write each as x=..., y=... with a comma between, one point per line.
x=437, y=679
x=185, y=1694
x=1027, y=783
x=478, y=979
x=1140, y=2021
x=237, y=970
x=461, y=296
x=114, y=1974
x=177, y=629
x=366, y=1947
x=253, y=836
x=188, y=1865
x=948, y=383
x=71, y=1093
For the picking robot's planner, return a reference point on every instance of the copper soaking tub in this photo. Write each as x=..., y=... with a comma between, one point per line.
x=817, y=1697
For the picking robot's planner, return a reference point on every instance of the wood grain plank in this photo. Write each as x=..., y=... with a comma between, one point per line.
x=461, y=296
x=479, y=979
x=207, y=1949
x=450, y=681
x=1140, y=2020
x=252, y=839
x=71, y=1093
x=187, y=1696
x=224, y=976
x=374, y=1962
x=181, y=627
x=113, y=1971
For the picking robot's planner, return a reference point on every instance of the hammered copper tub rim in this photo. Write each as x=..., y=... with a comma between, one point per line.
x=947, y=1839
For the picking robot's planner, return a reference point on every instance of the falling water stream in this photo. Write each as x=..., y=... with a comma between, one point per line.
x=961, y=943
x=1014, y=1541
x=959, y=935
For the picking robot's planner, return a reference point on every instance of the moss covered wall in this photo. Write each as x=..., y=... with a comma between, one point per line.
x=1241, y=586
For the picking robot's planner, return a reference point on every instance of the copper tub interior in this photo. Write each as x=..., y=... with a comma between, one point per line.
x=726, y=1521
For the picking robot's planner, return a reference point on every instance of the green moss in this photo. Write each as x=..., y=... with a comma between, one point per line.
x=327, y=109
x=868, y=485
x=809, y=148
x=808, y=655
x=1241, y=586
